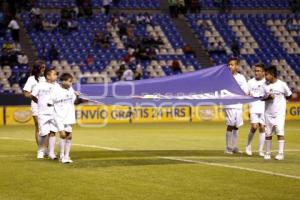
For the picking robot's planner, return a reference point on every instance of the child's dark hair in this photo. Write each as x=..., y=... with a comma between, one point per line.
x=272, y=70
x=260, y=65
x=233, y=59
x=48, y=71
x=65, y=76
x=36, y=69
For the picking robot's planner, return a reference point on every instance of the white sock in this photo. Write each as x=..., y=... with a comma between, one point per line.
x=68, y=148
x=52, y=145
x=228, y=139
x=62, y=145
x=280, y=146
x=250, y=138
x=268, y=146
x=262, y=138
x=235, y=138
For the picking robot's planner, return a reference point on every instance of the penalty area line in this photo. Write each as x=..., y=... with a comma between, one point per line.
x=231, y=167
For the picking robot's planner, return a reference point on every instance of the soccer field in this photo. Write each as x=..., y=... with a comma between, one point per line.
x=148, y=161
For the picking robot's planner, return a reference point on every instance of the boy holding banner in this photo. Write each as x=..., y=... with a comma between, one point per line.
x=234, y=113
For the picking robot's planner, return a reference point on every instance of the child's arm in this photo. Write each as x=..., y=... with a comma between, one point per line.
x=34, y=94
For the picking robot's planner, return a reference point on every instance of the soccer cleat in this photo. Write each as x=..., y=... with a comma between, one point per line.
x=267, y=156
x=228, y=151
x=261, y=154
x=52, y=157
x=40, y=155
x=279, y=156
x=46, y=153
x=66, y=160
x=248, y=150
x=235, y=150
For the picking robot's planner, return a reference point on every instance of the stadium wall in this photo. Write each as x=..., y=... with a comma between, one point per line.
x=102, y=115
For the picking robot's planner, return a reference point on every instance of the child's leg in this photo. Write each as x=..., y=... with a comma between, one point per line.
x=229, y=138
x=235, y=134
x=62, y=144
x=251, y=133
x=262, y=138
x=280, y=144
x=52, y=140
x=68, y=144
x=268, y=144
x=36, y=125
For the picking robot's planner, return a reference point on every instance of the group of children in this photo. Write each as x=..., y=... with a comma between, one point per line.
x=266, y=115
x=53, y=110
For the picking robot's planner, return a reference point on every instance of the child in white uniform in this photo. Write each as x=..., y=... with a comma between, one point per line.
x=234, y=113
x=42, y=94
x=64, y=108
x=37, y=76
x=257, y=109
x=275, y=94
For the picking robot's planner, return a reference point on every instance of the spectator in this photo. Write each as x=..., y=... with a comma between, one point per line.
x=128, y=75
x=15, y=29
x=138, y=73
x=16, y=47
x=53, y=53
x=72, y=25
x=8, y=58
x=90, y=60
x=235, y=48
x=37, y=22
x=188, y=4
x=120, y=71
x=148, y=18
x=7, y=46
x=101, y=40
x=181, y=7
x=140, y=19
x=173, y=8
x=35, y=12
x=106, y=6
x=50, y=25
x=205, y=26
x=22, y=59
x=175, y=66
x=188, y=49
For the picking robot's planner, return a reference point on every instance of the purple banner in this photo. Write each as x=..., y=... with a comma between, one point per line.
x=211, y=86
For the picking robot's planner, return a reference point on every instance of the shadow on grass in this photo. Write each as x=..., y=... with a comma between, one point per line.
x=138, y=158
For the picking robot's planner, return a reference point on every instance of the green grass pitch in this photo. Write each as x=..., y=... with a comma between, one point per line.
x=148, y=162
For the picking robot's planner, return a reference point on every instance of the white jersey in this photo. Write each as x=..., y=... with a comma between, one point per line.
x=277, y=106
x=31, y=83
x=241, y=80
x=256, y=89
x=44, y=93
x=64, y=108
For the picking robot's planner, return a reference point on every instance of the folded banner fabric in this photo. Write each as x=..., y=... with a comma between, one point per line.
x=211, y=86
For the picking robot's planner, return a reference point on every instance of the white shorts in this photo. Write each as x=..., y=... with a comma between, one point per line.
x=257, y=118
x=63, y=127
x=275, y=125
x=46, y=125
x=34, y=109
x=234, y=117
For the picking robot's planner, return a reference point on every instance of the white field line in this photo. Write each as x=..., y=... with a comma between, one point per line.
x=182, y=160
x=74, y=144
x=118, y=149
x=232, y=167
